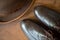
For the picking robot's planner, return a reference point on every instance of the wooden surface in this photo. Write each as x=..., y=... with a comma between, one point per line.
x=12, y=31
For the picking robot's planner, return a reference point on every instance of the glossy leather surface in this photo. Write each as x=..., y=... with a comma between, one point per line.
x=48, y=17
x=34, y=31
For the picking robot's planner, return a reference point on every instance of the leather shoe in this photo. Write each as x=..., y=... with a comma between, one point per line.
x=34, y=31
x=48, y=17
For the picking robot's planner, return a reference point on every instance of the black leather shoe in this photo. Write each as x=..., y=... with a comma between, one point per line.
x=48, y=17
x=35, y=32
